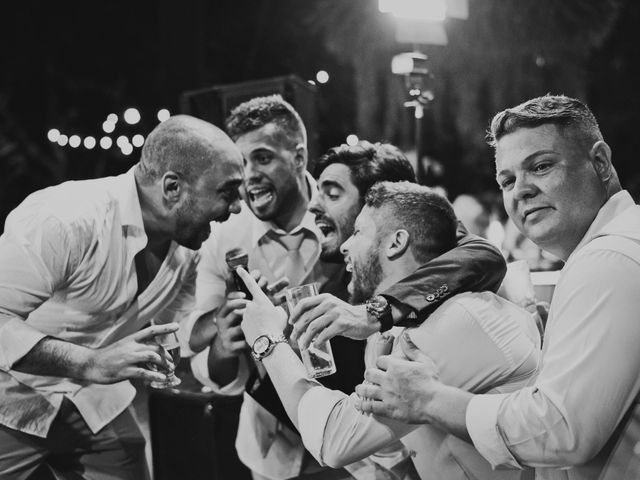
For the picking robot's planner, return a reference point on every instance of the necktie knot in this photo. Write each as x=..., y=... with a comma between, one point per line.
x=291, y=241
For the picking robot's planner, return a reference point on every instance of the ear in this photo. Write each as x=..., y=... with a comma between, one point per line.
x=600, y=156
x=300, y=157
x=172, y=187
x=397, y=244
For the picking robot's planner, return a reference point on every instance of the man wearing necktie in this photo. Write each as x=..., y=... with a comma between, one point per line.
x=281, y=239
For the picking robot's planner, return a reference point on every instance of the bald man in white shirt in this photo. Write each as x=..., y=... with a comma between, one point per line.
x=83, y=267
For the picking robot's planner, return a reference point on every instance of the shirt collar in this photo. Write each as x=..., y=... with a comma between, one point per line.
x=261, y=228
x=613, y=207
x=126, y=195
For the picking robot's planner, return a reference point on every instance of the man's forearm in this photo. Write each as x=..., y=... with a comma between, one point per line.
x=57, y=358
x=289, y=378
x=447, y=410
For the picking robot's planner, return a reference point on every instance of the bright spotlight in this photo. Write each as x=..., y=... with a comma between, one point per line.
x=53, y=135
x=137, y=140
x=352, y=140
x=428, y=10
x=89, y=143
x=74, y=141
x=108, y=126
x=131, y=116
x=322, y=76
x=106, y=142
x=112, y=118
x=126, y=149
x=63, y=140
x=122, y=141
x=163, y=114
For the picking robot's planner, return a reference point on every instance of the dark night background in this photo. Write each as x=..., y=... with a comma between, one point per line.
x=68, y=64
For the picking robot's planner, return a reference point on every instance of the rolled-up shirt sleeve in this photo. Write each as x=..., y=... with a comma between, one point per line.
x=589, y=377
x=337, y=434
x=36, y=255
x=200, y=369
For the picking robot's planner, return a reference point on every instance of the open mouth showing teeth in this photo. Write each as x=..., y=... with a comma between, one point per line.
x=260, y=197
x=325, y=228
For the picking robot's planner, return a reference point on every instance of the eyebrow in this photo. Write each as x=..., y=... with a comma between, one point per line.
x=528, y=159
x=330, y=183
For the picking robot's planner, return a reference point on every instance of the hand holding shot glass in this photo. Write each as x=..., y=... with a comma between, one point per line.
x=317, y=358
x=171, y=345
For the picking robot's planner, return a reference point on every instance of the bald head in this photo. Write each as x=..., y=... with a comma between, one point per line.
x=185, y=145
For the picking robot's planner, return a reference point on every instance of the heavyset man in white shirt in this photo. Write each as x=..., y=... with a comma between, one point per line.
x=579, y=419
x=83, y=267
x=482, y=342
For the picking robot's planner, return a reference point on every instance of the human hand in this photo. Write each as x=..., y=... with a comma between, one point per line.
x=327, y=316
x=400, y=389
x=260, y=316
x=129, y=358
x=230, y=340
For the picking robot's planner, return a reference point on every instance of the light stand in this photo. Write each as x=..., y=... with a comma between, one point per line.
x=418, y=84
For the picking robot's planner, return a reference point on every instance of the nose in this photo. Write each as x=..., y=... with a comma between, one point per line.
x=251, y=172
x=315, y=205
x=234, y=207
x=524, y=188
x=344, y=248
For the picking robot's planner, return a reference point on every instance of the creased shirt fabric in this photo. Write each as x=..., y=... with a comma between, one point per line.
x=579, y=419
x=479, y=342
x=67, y=271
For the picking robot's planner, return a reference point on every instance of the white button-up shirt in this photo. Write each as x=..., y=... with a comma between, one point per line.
x=479, y=342
x=67, y=270
x=571, y=423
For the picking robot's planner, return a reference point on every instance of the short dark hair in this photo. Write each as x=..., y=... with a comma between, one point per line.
x=260, y=111
x=426, y=215
x=565, y=112
x=369, y=163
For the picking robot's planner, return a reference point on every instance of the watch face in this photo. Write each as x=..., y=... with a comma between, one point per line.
x=378, y=302
x=261, y=345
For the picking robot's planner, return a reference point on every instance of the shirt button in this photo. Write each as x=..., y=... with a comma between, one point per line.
x=431, y=297
x=445, y=288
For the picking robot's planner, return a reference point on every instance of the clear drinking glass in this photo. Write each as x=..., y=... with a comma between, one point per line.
x=318, y=358
x=171, y=344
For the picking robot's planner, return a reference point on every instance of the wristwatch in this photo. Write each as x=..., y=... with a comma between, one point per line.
x=378, y=309
x=264, y=345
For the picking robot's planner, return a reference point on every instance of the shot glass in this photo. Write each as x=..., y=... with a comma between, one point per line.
x=318, y=358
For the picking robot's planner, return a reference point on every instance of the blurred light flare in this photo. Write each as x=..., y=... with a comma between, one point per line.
x=74, y=141
x=53, y=135
x=163, y=114
x=131, y=116
x=126, y=149
x=112, y=118
x=352, y=140
x=122, y=141
x=108, y=126
x=322, y=76
x=106, y=143
x=428, y=10
x=137, y=140
x=63, y=140
x=89, y=143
